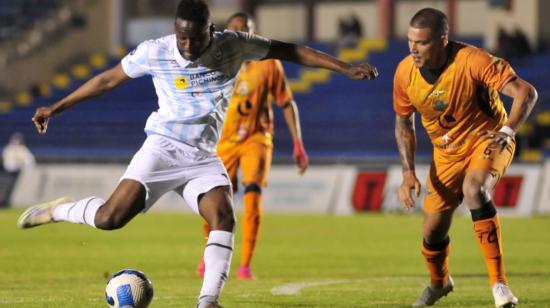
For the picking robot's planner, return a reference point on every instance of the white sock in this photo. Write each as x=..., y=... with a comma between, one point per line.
x=217, y=259
x=80, y=212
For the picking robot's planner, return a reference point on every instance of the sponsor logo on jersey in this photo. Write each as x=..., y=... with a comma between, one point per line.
x=447, y=139
x=242, y=88
x=181, y=83
x=436, y=93
x=204, y=78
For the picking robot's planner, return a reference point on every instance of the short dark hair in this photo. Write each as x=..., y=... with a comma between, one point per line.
x=433, y=19
x=243, y=15
x=193, y=10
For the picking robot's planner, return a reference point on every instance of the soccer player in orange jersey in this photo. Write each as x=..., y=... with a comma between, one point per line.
x=246, y=139
x=455, y=88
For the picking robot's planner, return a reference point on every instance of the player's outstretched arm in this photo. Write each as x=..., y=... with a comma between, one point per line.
x=315, y=58
x=96, y=86
x=406, y=142
x=292, y=120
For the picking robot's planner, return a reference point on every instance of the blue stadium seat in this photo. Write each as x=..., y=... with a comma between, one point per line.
x=340, y=119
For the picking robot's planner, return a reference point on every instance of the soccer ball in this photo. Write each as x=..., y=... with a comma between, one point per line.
x=129, y=289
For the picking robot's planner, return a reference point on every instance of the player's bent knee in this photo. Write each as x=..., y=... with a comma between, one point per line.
x=435, y=231
x=109, y=223
x=471, y=190
x=476, y=192
x=106, y=220
x=432, y=235
x=224, y=220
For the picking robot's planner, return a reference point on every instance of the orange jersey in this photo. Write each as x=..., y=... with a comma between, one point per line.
x=463, y=101
x=249, y=112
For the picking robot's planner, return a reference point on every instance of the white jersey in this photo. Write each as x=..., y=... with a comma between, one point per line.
x=193, y=96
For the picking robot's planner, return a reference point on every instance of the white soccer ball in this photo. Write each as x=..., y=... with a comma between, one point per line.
x=129, y=289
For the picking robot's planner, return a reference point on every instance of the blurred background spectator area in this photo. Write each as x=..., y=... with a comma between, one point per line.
x=50, y=47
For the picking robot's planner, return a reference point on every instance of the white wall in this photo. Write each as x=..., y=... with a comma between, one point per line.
x=282, y=22
x=405, y=10
x=470, y=18
x=473, y=18
x=523, y=15
x=288, y=21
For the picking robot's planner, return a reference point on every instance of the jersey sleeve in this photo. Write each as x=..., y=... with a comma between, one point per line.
x=254, y=47
x=279, y=88
x=401, y=103
x=489, y=70
x=136, y=63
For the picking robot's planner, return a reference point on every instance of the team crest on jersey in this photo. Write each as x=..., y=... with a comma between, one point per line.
x=439, y=105
x=181, y=83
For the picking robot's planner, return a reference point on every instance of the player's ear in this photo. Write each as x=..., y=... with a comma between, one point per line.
x=444, y=40
x=212, y=29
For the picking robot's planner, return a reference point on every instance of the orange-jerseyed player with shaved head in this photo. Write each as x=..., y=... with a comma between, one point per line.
x=246, y=139
x=455, y=88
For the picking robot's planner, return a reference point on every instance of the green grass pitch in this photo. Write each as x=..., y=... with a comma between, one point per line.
x=367, y=260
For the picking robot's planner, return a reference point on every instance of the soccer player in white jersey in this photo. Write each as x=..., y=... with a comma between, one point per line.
x=193, y=73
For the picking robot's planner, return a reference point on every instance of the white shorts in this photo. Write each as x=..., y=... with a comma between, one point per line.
x=163, y=164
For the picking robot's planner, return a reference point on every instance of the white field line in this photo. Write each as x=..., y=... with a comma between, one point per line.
x=295, y=288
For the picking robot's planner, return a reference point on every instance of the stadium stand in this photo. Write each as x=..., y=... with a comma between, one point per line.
x=18, y=15
x=342, y=120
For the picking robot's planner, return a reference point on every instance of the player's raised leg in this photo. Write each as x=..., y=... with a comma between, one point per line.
x=216, y=208
x=127, y=201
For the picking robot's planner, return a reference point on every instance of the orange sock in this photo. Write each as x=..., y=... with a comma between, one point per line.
x=205, y=230
x=436, y=257
x=251, y=224
x=490, y=241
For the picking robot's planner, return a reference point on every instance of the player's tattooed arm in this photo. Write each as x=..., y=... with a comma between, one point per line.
x=406, y=140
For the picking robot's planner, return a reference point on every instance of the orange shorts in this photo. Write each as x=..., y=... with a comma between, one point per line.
x=446, y=177
x=252, y=156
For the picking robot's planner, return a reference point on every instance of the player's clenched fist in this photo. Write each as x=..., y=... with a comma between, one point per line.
x=362, y=71
x=41, y=118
